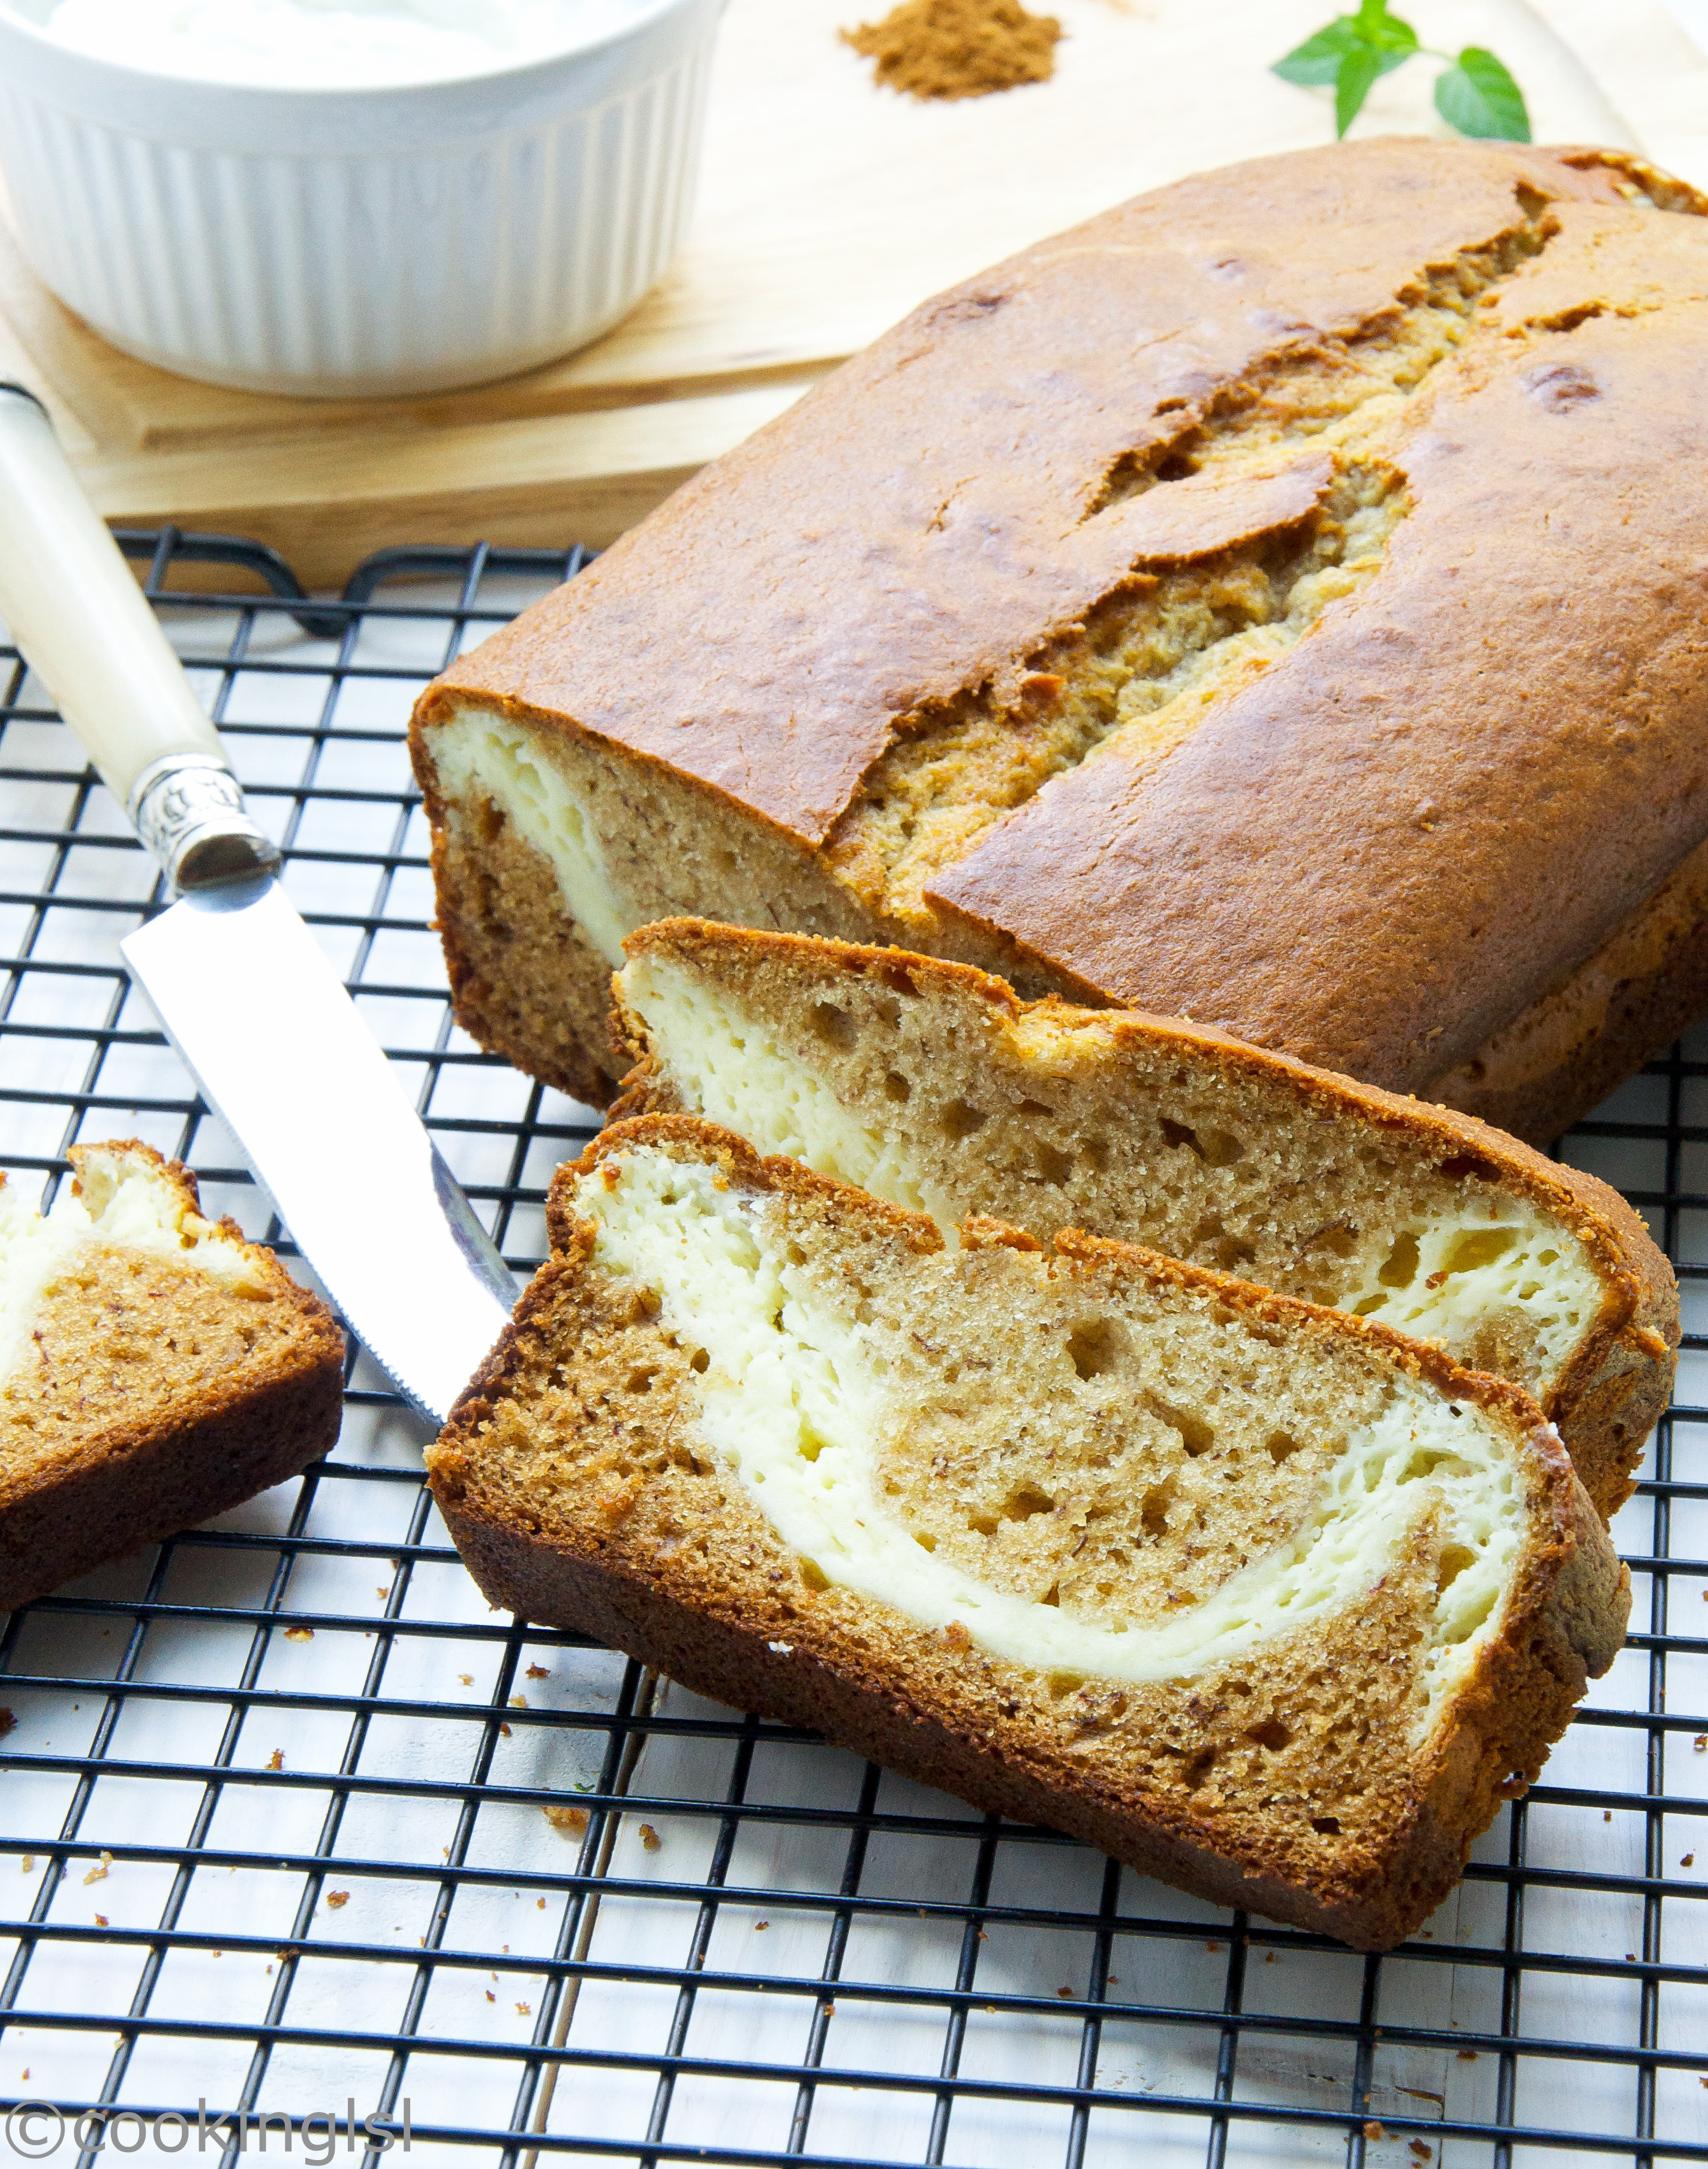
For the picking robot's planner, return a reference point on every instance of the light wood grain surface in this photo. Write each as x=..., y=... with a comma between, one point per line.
x=827, y=208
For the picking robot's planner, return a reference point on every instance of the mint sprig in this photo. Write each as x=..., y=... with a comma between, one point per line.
x=1474, y=92
x=1478, y=96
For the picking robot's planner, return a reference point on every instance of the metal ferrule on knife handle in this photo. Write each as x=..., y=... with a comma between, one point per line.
x=123, y=691
x=189, y=811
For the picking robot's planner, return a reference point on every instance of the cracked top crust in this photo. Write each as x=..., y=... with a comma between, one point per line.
x=1491, y=749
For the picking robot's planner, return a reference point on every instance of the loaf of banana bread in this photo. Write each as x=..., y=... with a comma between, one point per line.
x=1277, y=602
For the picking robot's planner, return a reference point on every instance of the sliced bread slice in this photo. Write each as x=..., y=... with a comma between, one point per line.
x=931, y=1085
x=155, y=1368
x=1262, y=1598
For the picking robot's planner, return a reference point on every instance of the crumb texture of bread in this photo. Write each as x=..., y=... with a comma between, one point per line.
x=931, y=1085
x=155, y=1368
x=1090, y=678
x=551, y=854
x=1258, y=1596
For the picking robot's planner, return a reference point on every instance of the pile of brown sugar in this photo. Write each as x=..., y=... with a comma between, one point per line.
x=958, y=48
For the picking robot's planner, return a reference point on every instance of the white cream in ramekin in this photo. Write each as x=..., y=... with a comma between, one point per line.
x=383, y=236
x=328, y=44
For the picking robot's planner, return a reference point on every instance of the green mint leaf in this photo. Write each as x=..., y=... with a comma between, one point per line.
x=1478, y=96
x=1318, y=60
x=1394, y=40
x=1358, y=71
x=1385, y=32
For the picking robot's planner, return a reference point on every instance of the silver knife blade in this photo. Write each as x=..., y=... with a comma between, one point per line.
x=249, y=1001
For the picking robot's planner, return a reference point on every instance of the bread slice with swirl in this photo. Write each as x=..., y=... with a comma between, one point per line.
x=1257, y=1596
x=931, y=1084
x=155, y=1368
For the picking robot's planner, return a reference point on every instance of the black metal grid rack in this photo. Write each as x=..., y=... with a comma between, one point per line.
x=275, y=1814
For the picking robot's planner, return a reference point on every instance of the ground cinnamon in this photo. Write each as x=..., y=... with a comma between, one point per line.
x=958, y=48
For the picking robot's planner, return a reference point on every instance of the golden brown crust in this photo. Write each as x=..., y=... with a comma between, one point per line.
x=788, y=713
x=1618, y=1383
x=798, y=612
x=1486, y=890
x=1662, y=188
x=542, y=1476
x=157, y=1399
x=1639, y=992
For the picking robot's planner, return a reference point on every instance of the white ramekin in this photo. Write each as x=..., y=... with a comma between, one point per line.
x=337, y=242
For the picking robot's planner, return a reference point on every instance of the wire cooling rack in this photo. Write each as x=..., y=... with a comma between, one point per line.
x=295, y=1826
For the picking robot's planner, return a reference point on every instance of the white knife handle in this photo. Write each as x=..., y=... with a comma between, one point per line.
x=82, y=624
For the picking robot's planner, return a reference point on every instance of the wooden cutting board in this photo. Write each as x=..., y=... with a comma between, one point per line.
x=827, y=208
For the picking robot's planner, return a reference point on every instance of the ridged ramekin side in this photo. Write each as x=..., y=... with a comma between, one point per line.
x=406, y=269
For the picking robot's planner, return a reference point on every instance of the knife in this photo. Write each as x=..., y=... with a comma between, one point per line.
x=241, y=986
